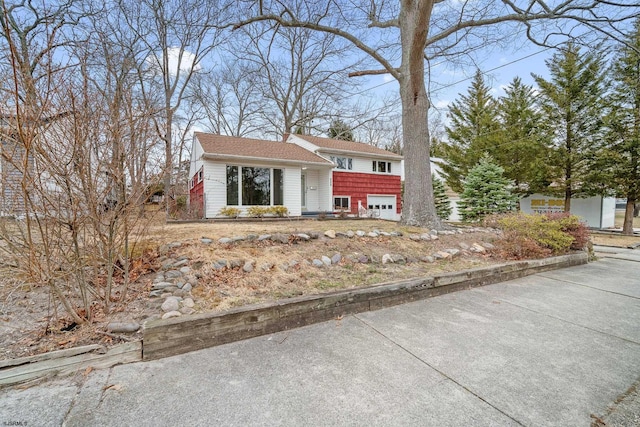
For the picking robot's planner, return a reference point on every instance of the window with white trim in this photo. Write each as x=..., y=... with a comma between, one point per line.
x=342, y=162
x=342, y=203
x=382, y=167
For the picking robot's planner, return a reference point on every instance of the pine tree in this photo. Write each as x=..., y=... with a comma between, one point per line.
x=523, y=151
x=471, y=133
x=572, y=104
x=486, y=191
x=619, y=162
x=443, y=206
x=340, y=130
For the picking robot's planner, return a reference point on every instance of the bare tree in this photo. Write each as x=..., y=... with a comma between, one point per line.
x=177, y=36
x=299, y=72
x=68, y=135
x=424, y=29
x=231, y=101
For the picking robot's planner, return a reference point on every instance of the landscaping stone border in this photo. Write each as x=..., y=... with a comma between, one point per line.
x=163, y=338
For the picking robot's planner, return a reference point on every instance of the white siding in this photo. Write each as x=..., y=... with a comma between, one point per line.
x=302, y=143
x=590, y=210
x=215, y=188
x=325, y=190
x=293, y=191
x=364, y=165
x=196, y=157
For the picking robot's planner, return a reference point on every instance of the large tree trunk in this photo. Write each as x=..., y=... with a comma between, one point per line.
x=627, y=226
x=418, y=204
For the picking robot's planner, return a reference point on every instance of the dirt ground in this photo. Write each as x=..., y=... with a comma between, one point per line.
x=32, y=323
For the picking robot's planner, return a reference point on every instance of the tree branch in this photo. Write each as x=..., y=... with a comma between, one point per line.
x=369, y=73
x=332, y=30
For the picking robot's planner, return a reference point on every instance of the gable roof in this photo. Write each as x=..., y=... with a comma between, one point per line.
x=336, y=145
x=231, y=147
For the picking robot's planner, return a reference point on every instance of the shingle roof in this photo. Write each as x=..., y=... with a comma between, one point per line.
x=351, y=146
x=222, y=145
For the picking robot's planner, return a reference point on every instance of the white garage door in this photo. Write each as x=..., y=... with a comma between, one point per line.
x=382, y=206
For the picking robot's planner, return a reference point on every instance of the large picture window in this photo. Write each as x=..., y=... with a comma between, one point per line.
x=254, y=186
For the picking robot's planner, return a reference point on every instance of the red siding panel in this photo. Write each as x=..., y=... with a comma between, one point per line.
x=359, y=185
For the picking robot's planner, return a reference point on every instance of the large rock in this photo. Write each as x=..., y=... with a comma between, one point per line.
x=220, y=264
x=387, y=258
x=123, y=327
x=336, y=258
x=170, y=304
x=317, y=263
x=224, y=241
x=331, y=234
x=248, y=266
x=326, y=260
x=280, y=238
x=173, y=274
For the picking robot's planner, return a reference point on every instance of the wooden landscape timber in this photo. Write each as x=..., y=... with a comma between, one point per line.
x=68, y=361
x=163, y=338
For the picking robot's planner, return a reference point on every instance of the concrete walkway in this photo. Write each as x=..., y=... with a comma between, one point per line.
x=560, y=348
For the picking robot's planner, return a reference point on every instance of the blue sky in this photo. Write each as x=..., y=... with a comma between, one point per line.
x=500, y=69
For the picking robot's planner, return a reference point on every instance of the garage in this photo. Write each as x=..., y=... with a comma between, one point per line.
x=383, y=207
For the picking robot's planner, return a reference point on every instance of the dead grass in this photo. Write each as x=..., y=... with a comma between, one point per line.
x=617, y=240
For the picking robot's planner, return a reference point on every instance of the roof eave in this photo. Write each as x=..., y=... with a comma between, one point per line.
x=390, y=156
x=211, y=156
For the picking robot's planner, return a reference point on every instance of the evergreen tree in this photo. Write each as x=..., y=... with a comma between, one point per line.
x=443, y=206
x=618, y=164
x=486, y=191
x=523, y=150
x=340, y=130
x=471, y=133
x=571, y=101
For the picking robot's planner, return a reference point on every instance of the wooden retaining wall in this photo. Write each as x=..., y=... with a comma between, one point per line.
x=163, y=338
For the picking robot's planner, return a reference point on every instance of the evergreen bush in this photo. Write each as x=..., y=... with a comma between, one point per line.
x=485, y=192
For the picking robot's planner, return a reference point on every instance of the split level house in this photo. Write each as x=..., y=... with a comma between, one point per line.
x=306, y=174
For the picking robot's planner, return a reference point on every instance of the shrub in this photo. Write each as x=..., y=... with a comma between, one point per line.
x=279, y=211
x=572, y=225
x=181, y=202
x=486, y=191
x=257, y=211
x=230, y=211
x=538, y=235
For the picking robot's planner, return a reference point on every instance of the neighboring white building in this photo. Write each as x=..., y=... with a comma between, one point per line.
x=596, y=212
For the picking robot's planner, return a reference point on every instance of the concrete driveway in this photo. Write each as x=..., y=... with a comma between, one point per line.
x=560, y=348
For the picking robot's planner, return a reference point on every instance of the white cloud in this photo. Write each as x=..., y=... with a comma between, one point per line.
x=442, y=104
x=175, y=63
x=387, y=78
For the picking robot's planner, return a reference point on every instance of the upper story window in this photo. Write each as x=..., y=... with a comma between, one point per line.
x=200, y=174
x=342, y=162
x=382, y=167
